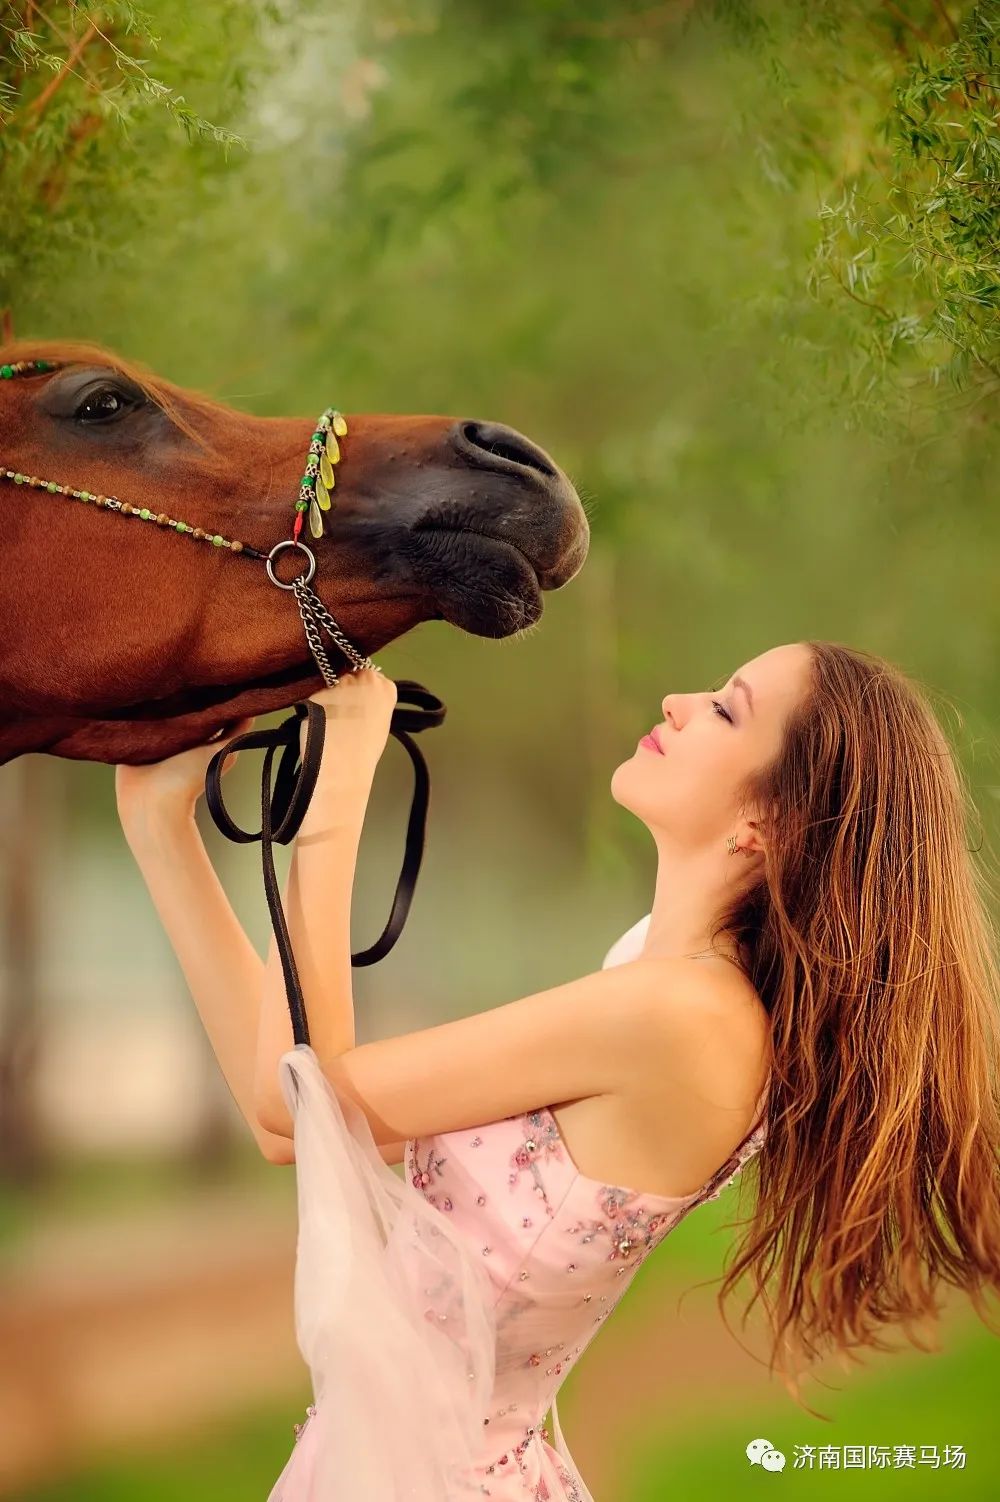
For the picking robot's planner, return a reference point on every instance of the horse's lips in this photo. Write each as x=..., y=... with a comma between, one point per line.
x=484, y=601
x=507, y=543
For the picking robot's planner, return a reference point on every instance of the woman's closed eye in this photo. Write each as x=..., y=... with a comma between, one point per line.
x=721, y=709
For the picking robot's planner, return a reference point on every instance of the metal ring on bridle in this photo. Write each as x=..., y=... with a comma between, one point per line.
x=290, y=542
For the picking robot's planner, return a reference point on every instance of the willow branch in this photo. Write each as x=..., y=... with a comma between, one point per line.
x=37, y=105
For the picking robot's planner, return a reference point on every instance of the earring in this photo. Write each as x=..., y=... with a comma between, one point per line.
x=731, y=844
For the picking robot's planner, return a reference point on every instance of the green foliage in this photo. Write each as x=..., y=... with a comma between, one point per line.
x=93, y=131
x=894, y=116
x=878, y=129
x=875, y=126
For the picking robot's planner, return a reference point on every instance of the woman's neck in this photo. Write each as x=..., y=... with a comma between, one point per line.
x=689, y=893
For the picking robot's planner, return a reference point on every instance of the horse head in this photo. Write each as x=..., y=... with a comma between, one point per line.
x=124, y=640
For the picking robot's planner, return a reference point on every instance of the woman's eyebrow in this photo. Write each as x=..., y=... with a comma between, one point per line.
x=739, y=682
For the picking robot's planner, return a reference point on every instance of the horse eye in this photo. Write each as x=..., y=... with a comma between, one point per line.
x=104, y=403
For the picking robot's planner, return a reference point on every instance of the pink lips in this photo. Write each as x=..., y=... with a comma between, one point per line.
x=651, y=743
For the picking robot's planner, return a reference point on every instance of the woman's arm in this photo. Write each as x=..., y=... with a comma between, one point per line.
x=223, y=970
x=358, y=713
x=241, y=1001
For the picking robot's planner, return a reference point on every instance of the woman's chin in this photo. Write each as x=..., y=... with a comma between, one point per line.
x=622, y=785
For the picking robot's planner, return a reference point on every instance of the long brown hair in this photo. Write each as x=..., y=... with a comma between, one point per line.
x=872, y=947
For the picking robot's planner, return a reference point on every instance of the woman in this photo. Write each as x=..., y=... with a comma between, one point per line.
x=817, y=940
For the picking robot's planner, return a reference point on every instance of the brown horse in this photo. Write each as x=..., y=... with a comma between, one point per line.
x=122, y=641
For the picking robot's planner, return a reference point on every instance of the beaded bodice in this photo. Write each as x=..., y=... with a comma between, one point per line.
x=561, y=1249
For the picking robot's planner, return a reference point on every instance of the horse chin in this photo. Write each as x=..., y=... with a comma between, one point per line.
x=482, y=613
x=483, y=585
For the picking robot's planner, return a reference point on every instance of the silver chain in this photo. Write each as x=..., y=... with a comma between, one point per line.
x=315, y=614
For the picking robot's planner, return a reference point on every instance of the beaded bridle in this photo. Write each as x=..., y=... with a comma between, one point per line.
x=314, y=496
x=282, y=811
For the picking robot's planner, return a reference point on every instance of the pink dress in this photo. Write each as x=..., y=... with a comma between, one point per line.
x=440, y=1315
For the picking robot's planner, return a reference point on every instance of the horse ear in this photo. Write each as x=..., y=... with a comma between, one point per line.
x=6, y=326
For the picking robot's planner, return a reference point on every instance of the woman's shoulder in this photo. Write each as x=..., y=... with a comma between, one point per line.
x=723, y=1015
x=694, y=1093
x=721, y=1011
x=711, y=981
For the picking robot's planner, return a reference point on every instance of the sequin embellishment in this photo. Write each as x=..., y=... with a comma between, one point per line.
x=542, y=1140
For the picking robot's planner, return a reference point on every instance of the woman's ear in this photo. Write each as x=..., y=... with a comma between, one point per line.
x=748, y=835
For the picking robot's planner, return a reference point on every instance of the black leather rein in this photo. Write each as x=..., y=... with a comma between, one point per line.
x=283, y=810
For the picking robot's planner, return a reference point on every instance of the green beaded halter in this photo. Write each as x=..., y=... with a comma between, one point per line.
x=314, y=496
x=319, y=479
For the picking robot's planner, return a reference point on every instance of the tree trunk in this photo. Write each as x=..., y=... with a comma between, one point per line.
x=30, y=805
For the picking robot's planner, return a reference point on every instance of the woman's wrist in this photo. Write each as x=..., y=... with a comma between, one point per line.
x=339, y=801
x=156, y=822
x=341, y=794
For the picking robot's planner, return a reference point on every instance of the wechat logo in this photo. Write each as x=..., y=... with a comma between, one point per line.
x=762, y=1452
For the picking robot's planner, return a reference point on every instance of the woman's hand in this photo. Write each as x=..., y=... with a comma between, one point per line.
x=173, y=785
x=358, y=717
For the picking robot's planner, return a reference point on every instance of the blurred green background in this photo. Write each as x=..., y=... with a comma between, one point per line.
x=736, y=267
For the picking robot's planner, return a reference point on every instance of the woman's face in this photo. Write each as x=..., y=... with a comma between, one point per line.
x=709, y=743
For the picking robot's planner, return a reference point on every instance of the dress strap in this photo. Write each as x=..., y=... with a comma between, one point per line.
x=751, y=1144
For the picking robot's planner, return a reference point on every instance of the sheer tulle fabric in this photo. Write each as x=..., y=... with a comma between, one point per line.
x=393, y=1314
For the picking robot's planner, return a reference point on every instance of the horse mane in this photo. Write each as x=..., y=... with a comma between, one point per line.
x=82, y=352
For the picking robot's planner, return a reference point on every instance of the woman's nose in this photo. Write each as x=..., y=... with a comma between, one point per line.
x=675, y=708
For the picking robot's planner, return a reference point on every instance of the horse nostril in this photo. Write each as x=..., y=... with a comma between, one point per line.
x=496, y=441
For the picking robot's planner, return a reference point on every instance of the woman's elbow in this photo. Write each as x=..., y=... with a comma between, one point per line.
x=272, y=1113
x=275, y=1148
